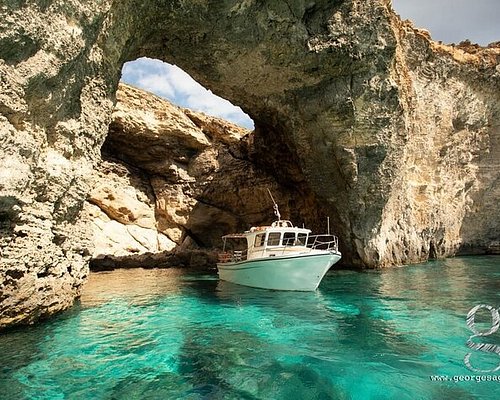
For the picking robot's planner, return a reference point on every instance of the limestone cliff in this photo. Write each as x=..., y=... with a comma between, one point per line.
x=395, y=135
x=121, y=207
x=191, y=182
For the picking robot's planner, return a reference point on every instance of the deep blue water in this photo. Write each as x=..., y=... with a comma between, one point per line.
x=162, y=334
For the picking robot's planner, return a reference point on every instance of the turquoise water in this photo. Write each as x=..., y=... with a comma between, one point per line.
x=159, y=334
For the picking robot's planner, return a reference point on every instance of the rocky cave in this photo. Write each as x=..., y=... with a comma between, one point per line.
x=358, y=115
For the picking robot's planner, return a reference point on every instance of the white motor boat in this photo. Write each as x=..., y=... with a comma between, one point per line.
x=279, y=257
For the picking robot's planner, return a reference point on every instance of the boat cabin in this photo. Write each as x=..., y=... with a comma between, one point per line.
x=269, y=241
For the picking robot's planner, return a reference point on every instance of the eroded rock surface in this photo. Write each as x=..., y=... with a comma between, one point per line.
x=121, y=206
x=395, y=135
x=191, y=182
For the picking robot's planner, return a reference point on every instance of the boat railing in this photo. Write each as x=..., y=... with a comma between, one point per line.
x=232, y=256
x=323, y=242
x=314, y=242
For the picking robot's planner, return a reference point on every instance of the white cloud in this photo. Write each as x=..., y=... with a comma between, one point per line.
x=171, y=82
x=157, y=84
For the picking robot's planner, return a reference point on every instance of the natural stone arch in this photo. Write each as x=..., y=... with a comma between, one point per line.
x=342, y=87
x=296, y=74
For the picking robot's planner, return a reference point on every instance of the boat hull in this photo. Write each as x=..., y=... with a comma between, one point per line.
x=297, y=272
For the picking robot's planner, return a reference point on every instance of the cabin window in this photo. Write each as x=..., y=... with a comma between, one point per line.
x=259, y=240
x=289, y=239
x=301, y=239
x=274, y=239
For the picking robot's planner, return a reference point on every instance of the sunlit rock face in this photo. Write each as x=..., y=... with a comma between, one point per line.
x=121, y=207
x=396, y=137
x=192, y=181
x=56, y=97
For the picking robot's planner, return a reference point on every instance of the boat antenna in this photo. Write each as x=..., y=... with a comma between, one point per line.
x=328, y=225
x=275, y=206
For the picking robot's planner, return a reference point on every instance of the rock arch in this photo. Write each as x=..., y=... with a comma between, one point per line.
x=341, y=94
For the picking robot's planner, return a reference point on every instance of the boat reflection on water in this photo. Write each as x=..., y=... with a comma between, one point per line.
x=303, y=305
x=232, y=291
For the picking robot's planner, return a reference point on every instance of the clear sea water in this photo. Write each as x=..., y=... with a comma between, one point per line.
x=165, y=334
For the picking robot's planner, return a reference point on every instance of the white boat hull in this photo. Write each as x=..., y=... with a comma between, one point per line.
x=301, y=272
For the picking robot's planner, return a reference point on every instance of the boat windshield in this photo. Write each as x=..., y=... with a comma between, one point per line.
x=289, y=239
x=282, y=238
x=301, y=239
x=294, y=239
x=259, y=240
x=274, y=239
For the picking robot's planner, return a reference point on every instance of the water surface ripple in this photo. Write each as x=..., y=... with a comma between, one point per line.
x=164, y=334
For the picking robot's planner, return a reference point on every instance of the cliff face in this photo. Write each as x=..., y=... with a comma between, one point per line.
x=55, y=102
x=396, y=136
x=192, y=181
x=450, y=179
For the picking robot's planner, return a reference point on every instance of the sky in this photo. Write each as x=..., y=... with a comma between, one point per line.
x=172, y=83
x=450, y=21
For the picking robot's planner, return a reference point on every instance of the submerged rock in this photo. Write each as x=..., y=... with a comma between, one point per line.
x=359, y=115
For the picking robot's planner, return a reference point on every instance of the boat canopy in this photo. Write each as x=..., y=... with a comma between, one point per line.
x=235, y=236
x=282, y=223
